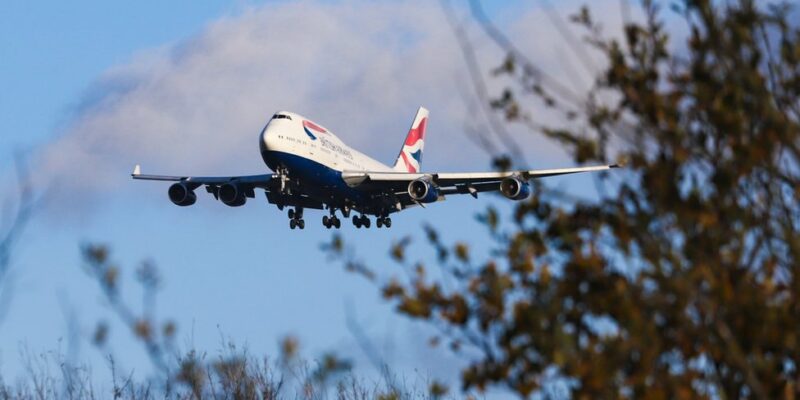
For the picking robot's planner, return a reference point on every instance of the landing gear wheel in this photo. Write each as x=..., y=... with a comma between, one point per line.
x=327, y=222
x=301, y=224
x=292, y=223
x=356, y=221
x=337, y=223
x=365, y=221
x=291, y=213
x=383, y=222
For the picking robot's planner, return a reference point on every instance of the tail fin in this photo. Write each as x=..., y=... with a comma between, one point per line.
x=410, y=157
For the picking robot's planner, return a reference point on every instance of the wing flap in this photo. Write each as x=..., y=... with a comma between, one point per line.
x=472, y=188
x=357, y=178
x=445, y=179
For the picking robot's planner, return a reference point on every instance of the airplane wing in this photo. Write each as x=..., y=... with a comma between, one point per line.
x=260, y=181
x=271, y=183
x=453, y=182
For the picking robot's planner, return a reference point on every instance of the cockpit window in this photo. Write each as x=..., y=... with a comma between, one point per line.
x=281, y=116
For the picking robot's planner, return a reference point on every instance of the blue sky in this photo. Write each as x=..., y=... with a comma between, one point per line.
x=53, y=50
x=90, y=87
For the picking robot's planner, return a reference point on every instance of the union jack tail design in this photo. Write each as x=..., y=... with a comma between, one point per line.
x=410, y=157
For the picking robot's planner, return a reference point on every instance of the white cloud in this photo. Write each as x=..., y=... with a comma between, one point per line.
x=359, y=68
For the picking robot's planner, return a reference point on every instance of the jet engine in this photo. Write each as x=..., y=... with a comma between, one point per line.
x=181, y=195
x=232, y=195
x=515, y=188
x=423, y=191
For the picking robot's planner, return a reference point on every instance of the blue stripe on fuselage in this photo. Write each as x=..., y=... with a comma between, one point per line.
x=320, y=182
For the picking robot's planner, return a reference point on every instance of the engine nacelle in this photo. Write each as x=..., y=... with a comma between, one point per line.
x=232, y=195
x=181, y=195
x=515, y=188
x=423, y=191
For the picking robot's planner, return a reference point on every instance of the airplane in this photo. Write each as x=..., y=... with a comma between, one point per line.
x=314, y=169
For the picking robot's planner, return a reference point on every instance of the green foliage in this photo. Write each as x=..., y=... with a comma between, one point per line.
x=681, y=280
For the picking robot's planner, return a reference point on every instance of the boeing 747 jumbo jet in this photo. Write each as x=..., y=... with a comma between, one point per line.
x=314, y=169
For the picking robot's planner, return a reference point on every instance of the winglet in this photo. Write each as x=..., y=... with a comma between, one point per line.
x=137, y=170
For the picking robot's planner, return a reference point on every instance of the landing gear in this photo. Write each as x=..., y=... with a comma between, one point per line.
x=361, y=220
x=296, y=218
x=331, y=221
x=283, y=175
x=383, y=221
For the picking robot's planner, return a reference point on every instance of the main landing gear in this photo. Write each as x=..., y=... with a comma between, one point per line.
x=384, y=221
x=332, y=221
x=363, y=220
x=296, y=218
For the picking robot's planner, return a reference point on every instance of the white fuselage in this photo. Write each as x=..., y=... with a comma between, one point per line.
x=299, y=137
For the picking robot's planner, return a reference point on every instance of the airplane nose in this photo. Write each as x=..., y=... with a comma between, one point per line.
x=265, y=139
